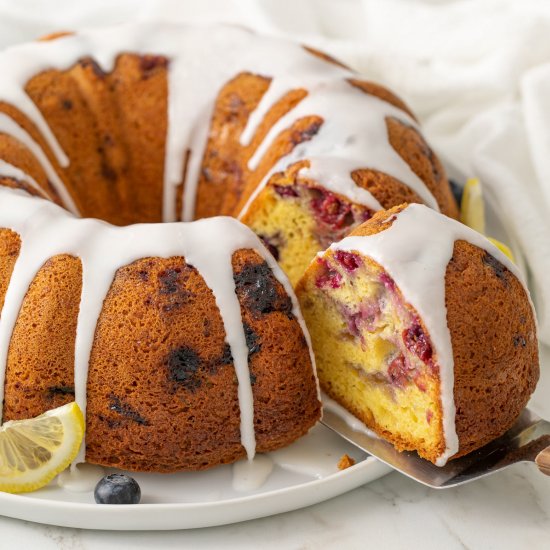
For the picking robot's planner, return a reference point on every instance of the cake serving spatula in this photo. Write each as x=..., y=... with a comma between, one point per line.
x=527, y=441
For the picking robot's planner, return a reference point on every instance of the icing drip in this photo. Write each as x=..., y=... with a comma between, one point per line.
x=80, y=478
x=9, y=171
x=251, y=474
x=353, y=135
x=10, y=127
x=47, y=230
x=415, y=251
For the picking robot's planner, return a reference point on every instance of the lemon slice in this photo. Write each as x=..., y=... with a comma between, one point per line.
x=472, y=211
x=503, y=248
x=34, y=451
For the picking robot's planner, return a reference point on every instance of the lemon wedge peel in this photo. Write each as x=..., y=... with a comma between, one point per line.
x=472, y=213
x=472, y=209
x=34, y=451
x=503, y=248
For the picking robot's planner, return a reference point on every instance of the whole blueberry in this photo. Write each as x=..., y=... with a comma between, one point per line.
x=117, y=489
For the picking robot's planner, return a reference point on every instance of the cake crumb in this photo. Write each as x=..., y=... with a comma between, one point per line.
x=345, y=462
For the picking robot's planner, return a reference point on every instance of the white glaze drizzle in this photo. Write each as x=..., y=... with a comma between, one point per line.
x=10, y=127
x=80, y=478
x=9, y=171
x=47, y=230
x=250, y=475
x=415, y=252
x=354, y=131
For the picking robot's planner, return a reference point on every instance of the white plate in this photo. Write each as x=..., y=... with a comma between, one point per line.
x=304, y=474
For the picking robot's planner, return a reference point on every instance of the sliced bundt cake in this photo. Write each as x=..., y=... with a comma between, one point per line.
x=422, y=329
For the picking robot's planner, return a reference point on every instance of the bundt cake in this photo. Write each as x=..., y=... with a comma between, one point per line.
x=422, y=329
x=157, y=122
x=167, y=334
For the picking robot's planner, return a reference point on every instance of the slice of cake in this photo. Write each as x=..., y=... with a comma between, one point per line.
x=423, y=330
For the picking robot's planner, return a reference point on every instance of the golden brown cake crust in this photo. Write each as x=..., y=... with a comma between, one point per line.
x=280, y=366
x=494, y=345
x=162, y=393
x=383, y=93
x=386, y=190
x=40, y=365
x=414, y=150
x=94, y=116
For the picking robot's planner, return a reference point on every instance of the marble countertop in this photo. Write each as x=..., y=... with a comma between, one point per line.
x=509, y=510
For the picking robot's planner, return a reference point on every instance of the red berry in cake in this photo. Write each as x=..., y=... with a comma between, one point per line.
x=273, y=249
x=332, y=279
x=365, y=318
x=366, y=215
x=329, y=278
x=387, y=281
x=429, y=416
x=398, y=371
x=148, y=63
x=417, y=342
x=353, y=322
x=285, y=190
x=348, y=260
x=331, y=210
x=420, y=383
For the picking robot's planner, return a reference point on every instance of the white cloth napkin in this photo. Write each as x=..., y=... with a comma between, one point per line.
x=476, y=72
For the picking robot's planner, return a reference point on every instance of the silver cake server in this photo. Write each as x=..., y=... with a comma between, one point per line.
x=527, y=441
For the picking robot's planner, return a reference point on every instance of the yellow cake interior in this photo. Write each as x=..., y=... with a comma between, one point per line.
x=373, y=354
x=298, y=220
